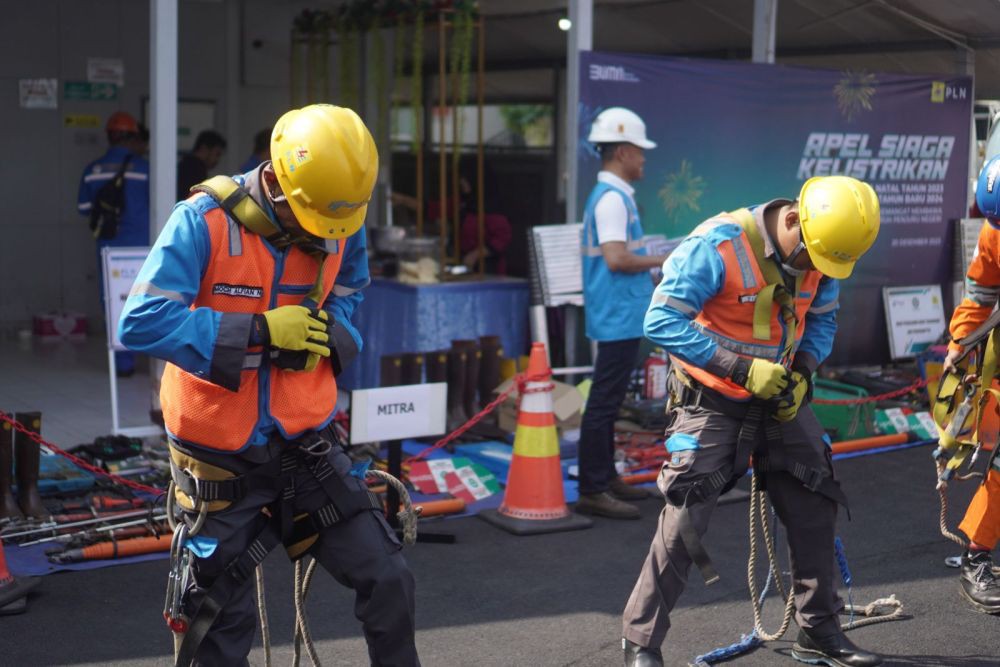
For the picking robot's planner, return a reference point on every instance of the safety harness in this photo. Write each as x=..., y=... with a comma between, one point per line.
x=200, y=487
x=760, y=434
x=958, y=413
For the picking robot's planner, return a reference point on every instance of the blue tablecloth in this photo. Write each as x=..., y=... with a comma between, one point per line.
x=395, y=317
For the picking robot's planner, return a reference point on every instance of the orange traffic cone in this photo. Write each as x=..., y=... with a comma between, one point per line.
x=13, y=592
x=533, y=501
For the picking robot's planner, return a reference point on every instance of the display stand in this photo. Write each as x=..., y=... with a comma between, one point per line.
x=557, y=282
x=120, y=266
x=391, y=414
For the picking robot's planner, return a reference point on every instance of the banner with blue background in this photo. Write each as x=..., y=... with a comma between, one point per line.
x=733, y=134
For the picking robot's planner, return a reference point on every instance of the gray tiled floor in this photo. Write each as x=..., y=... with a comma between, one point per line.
x=68, y=383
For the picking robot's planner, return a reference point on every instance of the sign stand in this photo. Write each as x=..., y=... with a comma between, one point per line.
x=120, y=267
x=392, y=413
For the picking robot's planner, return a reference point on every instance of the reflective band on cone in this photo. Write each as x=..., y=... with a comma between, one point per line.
x=533, y=501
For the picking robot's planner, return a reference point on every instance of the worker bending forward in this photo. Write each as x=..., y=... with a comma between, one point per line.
x=979, y=584
x=747, y=310
x=248, y=293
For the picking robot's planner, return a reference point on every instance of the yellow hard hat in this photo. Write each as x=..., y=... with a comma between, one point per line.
x=326, y=163
x=839, y=219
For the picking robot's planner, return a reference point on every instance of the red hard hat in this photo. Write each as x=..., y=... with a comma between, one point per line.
x=121, y=121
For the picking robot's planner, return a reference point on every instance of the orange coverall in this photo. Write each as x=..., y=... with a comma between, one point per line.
x=982, y=287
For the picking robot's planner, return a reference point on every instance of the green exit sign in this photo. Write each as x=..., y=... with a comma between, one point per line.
x=85, y=90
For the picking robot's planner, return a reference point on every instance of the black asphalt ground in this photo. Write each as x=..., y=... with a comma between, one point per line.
x=495, y=599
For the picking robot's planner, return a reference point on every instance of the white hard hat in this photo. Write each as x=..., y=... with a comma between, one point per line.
x=618, y=124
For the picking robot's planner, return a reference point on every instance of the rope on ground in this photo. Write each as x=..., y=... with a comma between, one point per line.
x=759, y=521
x=17, y=426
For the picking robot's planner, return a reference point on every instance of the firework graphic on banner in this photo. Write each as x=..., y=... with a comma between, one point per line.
x=854, y=93
x=682, y=191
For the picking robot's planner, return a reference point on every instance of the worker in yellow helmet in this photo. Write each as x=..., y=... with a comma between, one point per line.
x=747, y=310
x=248, y=294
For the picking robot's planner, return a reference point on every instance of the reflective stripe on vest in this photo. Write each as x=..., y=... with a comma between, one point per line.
x=728, y=318
x=615, y=303
x=204, y=414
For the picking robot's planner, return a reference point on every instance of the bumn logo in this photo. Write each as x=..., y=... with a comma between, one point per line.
x=612, y=73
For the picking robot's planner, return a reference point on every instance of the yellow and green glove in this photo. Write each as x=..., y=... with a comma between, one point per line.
x=787, y=409
x=764, y=379
x=296, y=328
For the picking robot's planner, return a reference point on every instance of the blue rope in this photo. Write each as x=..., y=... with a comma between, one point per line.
x=845, y=572
x=751, y=641
x=747, y=642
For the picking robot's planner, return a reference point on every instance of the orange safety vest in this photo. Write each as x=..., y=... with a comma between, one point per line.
x=202, y=413
x=728, y=317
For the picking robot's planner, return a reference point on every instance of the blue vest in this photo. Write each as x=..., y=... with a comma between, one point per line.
x=615, y=303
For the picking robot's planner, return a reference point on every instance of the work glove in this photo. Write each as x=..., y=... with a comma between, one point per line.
x=797, y=396
x=764, y=379
x=341, y=346
x=296, y=328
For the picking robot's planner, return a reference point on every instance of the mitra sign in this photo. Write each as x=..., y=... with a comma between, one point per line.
x=394, y=413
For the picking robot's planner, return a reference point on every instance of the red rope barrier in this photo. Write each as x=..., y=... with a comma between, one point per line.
x=17, y=426
x=919, y=384
x=519, y=385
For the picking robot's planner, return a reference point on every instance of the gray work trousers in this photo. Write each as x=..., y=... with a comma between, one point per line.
x=809, y=519
x=361, y=553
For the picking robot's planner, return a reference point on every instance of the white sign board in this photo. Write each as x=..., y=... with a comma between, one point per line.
x=38, y=93
x=121, y=266
x=106, y=70
x=915, y=318
x=394, y=413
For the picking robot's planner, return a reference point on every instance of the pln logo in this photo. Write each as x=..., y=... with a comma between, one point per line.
x=942, y=91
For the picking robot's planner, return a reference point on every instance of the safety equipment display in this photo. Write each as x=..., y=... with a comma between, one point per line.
x=326, y=162
x=839, y=219
x=297, y=328
x=121, y=122
x=619, y=124
x=988, y=190
x=764, y=379
x=787, y=409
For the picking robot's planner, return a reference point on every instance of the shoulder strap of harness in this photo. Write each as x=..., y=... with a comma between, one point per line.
x=236, y=201
x=774, y=290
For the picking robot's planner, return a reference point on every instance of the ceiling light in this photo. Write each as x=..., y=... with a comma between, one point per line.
x=565, y=24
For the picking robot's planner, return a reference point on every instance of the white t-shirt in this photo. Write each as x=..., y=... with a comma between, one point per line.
x=611, y=212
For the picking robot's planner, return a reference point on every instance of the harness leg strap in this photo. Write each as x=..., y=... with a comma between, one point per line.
x=222, y=590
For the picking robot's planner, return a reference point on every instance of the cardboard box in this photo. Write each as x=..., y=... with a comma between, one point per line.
x=566, y=405
x=59, y=326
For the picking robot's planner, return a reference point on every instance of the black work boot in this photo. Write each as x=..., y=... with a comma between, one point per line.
x=27, y=461
x=836, y=650
x=980, y=585
x=641, y=656
x=8, y=506
x=604, y=504
x=622, y=490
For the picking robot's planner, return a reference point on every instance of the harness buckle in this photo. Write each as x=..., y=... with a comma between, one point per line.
x=318, y=448
x=196, y=498
x=814, y=477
